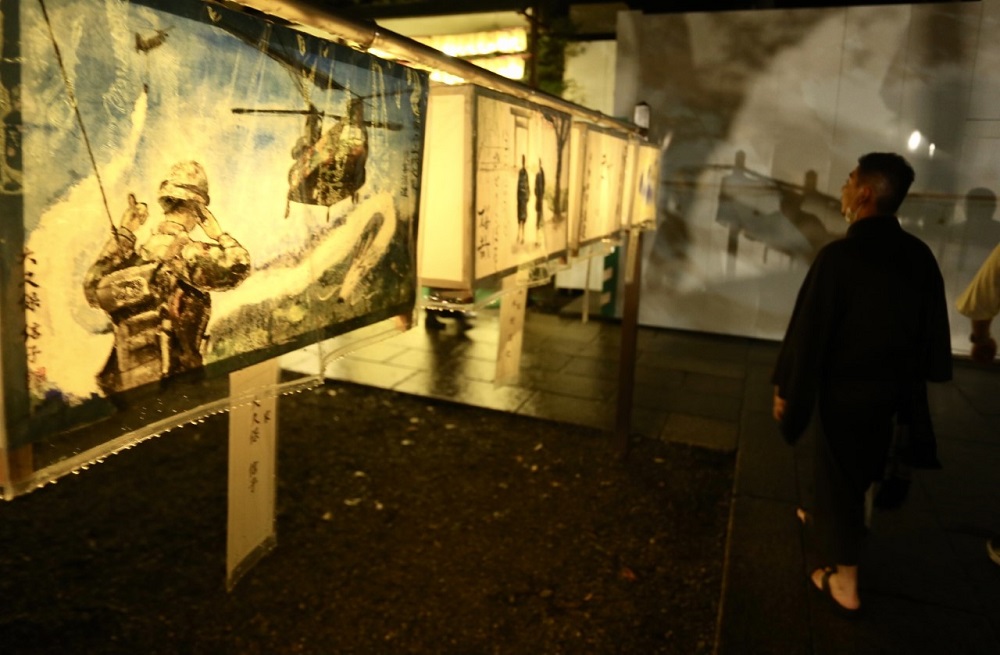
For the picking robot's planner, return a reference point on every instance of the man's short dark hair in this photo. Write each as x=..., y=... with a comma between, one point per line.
x=889, y=175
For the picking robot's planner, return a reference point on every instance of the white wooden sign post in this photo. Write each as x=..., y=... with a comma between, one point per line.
x=252, y=454
x=512, y=307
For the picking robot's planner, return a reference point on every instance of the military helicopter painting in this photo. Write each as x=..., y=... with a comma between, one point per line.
x=329, y=165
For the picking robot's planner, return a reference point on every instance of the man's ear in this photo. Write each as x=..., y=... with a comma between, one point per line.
x=865, y=195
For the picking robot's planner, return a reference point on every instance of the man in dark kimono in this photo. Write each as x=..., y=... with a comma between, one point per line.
x=869, y=328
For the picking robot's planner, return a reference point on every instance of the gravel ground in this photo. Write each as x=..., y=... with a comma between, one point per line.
x=405, y=525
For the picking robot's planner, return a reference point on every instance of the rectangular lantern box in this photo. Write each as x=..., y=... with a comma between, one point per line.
x=494, y=194
x=629, y=185
x=599, y=159
x=642, y=178
x=186, y=190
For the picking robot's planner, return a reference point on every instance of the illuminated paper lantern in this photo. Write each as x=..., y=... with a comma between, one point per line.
x=598, y=162
x=187, y=190
x=494, y=192
x=642, y=185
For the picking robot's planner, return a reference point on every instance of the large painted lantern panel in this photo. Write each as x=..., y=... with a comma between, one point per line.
x=446, y=195
x=604, y=153
x=645, y=183
x=628, y=181
x=495, y=186
x=577, y=157
x=194, y=190
x=521, y=180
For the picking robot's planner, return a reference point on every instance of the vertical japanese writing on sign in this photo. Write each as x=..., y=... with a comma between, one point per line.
x=511, y=330
x=31, y=302
x=252, y=441
x=259, y=417
x=484, y=241
x=515, y=321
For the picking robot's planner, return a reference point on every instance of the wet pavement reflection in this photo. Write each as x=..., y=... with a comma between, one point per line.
x=929, y=585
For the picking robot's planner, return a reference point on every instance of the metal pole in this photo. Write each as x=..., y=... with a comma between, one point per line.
x=367, y=35
x=629, y=337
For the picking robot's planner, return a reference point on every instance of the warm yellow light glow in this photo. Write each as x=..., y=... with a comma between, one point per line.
x=511, y=67
x=382, y=54
x=508, y=41
x=499, y=51
x=914, y=140
x=445, y=78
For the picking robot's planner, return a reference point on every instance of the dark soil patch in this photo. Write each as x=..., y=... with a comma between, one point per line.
x=405, y=525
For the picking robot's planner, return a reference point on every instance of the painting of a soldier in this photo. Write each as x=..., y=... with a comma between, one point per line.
x=157, y=294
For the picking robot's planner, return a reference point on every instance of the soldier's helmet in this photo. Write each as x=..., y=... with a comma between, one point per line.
x=186, y=181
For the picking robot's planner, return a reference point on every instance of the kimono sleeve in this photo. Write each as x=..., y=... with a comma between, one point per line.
x=800, y=363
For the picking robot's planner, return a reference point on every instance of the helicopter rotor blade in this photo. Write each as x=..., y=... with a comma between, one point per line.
x=295, y=112
x=387, y=125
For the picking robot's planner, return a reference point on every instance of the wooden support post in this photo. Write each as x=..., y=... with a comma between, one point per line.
x=513, y=304
x=16, y=466
x=629, y=336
